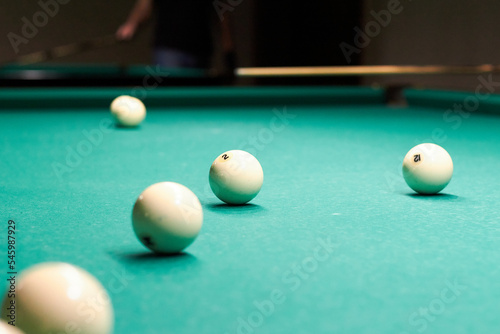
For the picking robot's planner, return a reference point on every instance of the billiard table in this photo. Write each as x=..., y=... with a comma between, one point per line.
x=335, y=242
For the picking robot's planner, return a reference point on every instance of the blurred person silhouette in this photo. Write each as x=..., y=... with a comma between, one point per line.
x=183, y=32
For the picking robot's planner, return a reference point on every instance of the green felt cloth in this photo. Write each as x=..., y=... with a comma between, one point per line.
x=77, y=98
x=486, y=100
x=330, y=173
x=153, y=71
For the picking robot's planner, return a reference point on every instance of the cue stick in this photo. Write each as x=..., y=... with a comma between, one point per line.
x=65, y=50
x=362, y=70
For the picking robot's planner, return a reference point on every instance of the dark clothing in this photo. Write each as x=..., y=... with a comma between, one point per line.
x=174, y=58
x=184, y=25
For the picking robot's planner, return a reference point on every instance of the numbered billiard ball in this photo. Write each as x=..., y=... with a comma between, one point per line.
x=167, y=217
x=236, y=177
x=427, y=168
x=56, y=297
x=5, y=328
x=128, y=111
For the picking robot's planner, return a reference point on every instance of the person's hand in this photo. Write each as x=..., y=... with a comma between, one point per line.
x=126, y=31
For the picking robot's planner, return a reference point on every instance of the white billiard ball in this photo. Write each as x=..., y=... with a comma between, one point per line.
x=236, y=177
x=5, y=328
x=167, y=217
x=427, y=168
x=56, y=297
x=128, y=111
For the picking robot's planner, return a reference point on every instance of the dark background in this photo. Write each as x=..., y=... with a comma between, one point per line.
x=286, y=33
x=267, y=33
x=304, y=35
